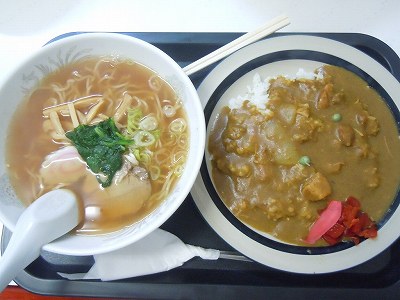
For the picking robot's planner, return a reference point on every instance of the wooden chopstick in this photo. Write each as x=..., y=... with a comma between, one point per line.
x=244, y=40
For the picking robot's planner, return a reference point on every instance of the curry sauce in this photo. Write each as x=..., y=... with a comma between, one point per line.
x=318, y=140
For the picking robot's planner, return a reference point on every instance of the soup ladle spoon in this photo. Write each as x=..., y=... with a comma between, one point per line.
x=46, y=219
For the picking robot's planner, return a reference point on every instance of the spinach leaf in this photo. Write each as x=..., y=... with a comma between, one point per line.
x=101, y=146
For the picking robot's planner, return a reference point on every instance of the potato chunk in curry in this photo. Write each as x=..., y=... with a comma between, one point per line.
x=337, y=121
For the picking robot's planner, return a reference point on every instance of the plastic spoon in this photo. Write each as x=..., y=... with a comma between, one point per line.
x=46, y=219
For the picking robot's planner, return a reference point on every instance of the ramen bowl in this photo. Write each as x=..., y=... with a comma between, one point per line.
x=66, y=51
x=238, y=77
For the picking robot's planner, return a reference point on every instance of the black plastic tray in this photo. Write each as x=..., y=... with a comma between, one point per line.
x=377, y=278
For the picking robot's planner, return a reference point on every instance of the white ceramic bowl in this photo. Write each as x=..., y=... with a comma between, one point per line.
x=63, y=51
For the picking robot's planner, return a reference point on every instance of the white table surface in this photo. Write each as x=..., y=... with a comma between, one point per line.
x=25, y=25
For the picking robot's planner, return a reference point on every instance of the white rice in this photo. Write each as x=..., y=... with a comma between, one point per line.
x=257, y=94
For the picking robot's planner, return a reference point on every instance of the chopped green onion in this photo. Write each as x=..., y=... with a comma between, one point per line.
x=177, y=126
x=305, y=160
x=134, y=117
x=148, y=123
x=143, y=138
x=142, y=155
x=155, y=172
x=179, y=170
x=336, y=117
x=169, y=110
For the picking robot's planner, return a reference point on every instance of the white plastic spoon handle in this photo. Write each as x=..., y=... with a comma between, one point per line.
x=49, y=217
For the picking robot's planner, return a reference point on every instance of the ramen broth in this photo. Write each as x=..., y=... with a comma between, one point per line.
x=40, y=158
x=318, y=140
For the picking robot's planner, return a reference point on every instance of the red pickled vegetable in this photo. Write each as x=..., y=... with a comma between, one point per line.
x=326, y=220
x=349, y=214
x=330, y=240
x=353, y=202
x=369, y=232
x=336, y=231
x=334, y=234
x=353, y=224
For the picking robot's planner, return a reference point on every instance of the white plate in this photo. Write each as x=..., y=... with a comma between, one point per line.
x=271, y=57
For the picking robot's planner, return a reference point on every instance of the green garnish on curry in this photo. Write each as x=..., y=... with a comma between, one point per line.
x=101, y=146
